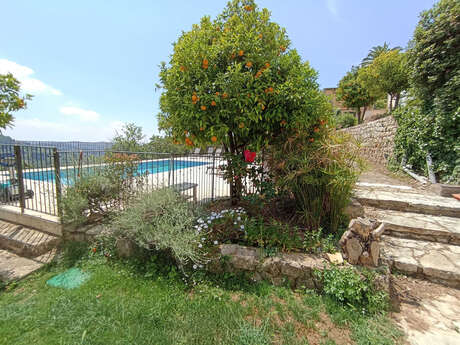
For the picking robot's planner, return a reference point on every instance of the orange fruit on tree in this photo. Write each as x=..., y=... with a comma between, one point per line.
x=205, y=64
x=213, y=138
x=182, y=68
x=260, y=36
x=202, y=129
x=267, y=65
x=311, y=140
x=194, y=98
x=224, y=95
x=203, y=107
x=241, y=53
x=241, y=125
x=217, y=93
x=249, y=64
x=248, y=8
x=283, y=123
x=316, y=130
x=283, y=48
x=213, y=103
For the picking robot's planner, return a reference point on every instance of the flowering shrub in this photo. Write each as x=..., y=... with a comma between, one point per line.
x=236, y=226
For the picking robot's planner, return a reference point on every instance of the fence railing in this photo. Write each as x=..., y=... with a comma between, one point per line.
x=36, y=177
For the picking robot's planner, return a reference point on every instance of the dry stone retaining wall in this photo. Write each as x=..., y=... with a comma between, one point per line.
x=377, y=139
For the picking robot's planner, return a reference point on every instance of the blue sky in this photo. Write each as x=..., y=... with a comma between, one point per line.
x=92, y=65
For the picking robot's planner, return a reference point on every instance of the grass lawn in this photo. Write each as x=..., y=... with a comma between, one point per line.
x=124, y=304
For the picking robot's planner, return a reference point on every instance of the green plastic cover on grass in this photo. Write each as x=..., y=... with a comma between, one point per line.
x=69, y=279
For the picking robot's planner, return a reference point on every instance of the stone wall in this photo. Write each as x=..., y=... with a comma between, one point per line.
x=377, y=139
x=296, y=268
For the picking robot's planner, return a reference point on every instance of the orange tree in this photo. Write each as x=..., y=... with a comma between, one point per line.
x=235, y=82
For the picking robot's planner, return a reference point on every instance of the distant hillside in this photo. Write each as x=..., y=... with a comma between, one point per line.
x=60, y=145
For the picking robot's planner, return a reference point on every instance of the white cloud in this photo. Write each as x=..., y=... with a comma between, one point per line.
x=83, y=114
x=332, y=7
x=36, y=129
x=24, y=75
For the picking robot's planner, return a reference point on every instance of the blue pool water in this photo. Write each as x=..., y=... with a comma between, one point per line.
x=152, y=167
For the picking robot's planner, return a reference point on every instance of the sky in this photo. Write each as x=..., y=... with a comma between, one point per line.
x=92, y=65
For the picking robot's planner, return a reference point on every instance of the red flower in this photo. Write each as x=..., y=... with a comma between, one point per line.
x=249, y=156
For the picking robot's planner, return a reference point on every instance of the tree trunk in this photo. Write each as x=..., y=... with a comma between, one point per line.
x=397, y=97
x=391, y=103
x=235, y=183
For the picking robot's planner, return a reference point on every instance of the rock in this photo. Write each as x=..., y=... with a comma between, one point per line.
x=346, y=235
x=375, y=252
x=354, y=250
x=365, y=259
x=361, y=227
x=125, y=248
x=354, y=209
x=378, y=232
x=335, y=258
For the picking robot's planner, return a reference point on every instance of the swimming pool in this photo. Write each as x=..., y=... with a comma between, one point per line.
x=146, y=167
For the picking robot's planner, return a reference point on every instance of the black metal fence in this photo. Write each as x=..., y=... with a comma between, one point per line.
x=35, y=177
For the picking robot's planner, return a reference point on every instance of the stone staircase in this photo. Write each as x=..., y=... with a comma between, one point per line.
x=422, y=231
x=24, y=250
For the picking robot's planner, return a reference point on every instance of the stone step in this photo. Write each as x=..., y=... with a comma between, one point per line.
x=438, y=262
x=409, y=202
x=15, y=267
x=25, y=241
x=418, y=226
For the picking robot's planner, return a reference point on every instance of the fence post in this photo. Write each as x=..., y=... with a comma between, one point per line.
x=18, y=156
x=212, y=176
x=57, y=181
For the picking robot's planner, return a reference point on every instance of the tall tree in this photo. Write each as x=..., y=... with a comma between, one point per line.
x=233, y=81
x=387, y=75
x=375, y=52
x=432, y=124
x=10, y=99
x=353, y=94
x=129, y=139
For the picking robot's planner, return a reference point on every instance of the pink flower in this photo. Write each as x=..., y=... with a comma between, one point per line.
x=249, y=156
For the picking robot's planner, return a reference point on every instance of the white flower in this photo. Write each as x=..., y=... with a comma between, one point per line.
x=200, y=220
x=195, y=267
x=203, y=239
x=239, y=218
x=200, y=245
x=201, y=266
x=242, y=227
x=215, y=242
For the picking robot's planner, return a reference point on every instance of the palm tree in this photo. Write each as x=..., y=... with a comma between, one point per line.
x=375, y=52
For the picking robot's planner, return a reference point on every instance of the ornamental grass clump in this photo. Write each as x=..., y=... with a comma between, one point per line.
x=318, y=175
x=163, y=221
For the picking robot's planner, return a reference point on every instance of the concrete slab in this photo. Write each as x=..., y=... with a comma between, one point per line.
x=25, y=241
x=437, y=262
x=409, y=202
x=14, y=267
x=419, y=226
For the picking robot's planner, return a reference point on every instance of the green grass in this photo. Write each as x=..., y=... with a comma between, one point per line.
x=125, y=303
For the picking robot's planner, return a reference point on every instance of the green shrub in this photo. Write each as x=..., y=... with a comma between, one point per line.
x=97, y=194
x=271, y=235
x=317, y=175
x=316, y=242
x=353, y=289
x=430, y=123
x=161, y=220
x=346, y=120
